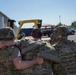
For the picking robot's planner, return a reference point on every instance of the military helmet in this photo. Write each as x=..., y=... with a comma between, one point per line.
x=7, y=33
x=61, y=30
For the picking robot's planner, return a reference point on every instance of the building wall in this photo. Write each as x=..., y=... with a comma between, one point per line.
x=1, y=22
x=4, y=22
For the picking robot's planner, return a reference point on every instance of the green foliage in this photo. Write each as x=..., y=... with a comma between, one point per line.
x=73, y=24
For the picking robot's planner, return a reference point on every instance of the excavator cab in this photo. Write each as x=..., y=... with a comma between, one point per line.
x=11, y=23
x=37, y=24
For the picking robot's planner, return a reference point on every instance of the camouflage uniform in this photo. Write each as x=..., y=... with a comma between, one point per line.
x=67, y=52
x=6, y=65
x=31, y=48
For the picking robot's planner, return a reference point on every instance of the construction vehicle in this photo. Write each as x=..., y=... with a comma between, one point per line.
x=11, y=23
x=37, y=24
x=47, y=30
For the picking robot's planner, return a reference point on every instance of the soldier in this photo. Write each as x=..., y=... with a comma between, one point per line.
x=66, y=50
x=31, y=48
x=8, y=64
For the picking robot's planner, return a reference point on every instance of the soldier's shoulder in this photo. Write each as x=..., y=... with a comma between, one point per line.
x=67, y=45
x=29, y=37
x=72, y=44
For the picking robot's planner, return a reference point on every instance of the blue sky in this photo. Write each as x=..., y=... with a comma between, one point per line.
x=47, y=10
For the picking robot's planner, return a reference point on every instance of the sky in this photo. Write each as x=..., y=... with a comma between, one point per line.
x=50, y=11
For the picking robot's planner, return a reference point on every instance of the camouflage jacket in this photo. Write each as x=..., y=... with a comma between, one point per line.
x=67, y=53
x=31, y=48
x=6, y=65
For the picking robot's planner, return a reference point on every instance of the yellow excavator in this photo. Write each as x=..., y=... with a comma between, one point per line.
x=37, y=24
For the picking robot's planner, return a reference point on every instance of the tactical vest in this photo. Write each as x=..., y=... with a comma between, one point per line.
x=67, y=53
x=30, y=50
x=6, y=65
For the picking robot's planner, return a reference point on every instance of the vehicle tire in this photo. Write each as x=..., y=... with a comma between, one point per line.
x=73, y=32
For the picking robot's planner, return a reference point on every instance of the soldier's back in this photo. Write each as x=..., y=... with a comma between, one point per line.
x=6, y=65
x=67, y=53
x=31, y=48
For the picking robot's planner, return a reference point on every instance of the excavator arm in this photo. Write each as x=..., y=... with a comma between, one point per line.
x=37, y=24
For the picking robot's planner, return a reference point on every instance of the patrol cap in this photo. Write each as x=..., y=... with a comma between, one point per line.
x=7, y=33
x=36, y=33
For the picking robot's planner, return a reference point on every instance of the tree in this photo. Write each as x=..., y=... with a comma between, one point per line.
x=73, y=24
